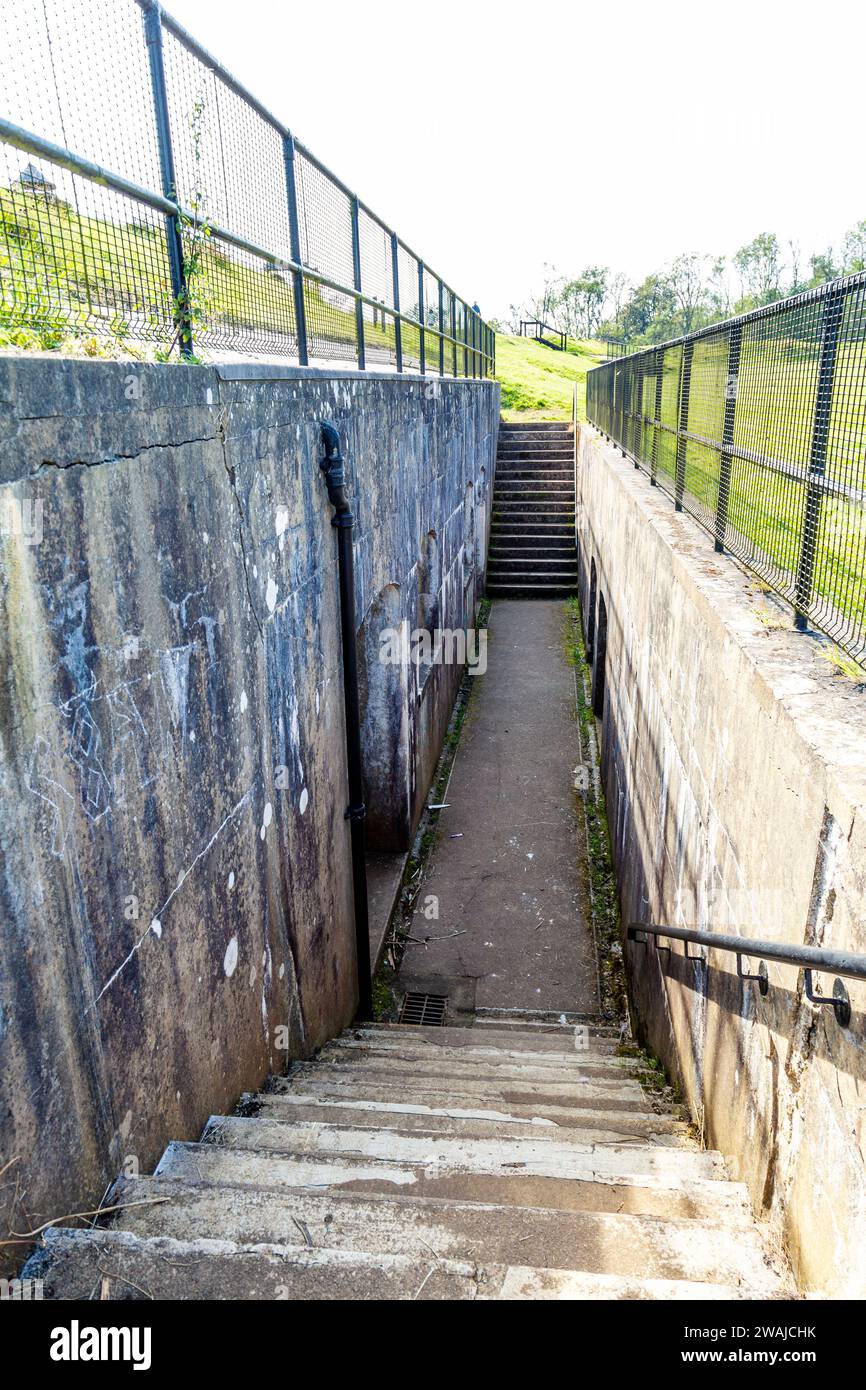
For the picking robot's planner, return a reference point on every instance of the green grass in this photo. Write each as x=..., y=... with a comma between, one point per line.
x=538, y=382
x=65, y=276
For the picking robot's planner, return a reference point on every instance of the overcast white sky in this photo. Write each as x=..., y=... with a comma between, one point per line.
x=497, y=137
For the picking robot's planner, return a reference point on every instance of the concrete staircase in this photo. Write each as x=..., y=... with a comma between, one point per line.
x=532, y=548
x=493, y=1162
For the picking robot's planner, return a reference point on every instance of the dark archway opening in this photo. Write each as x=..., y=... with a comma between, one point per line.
x=598, y=674
x=590, y=617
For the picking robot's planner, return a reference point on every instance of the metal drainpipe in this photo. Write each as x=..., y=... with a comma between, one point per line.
x=343, y=520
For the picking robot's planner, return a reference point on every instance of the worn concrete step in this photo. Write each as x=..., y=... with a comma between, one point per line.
x=607, y=1085
x=536, y=429
x=605, y=1126
x=501, y=589
x=540, y=477
x=467, y=1122
x=72, y=1265
x=587, y=1059
x=214, y=1164
x=558, y=566
x=530, y=506
x=118, y=1265
x=603, y=1242
x=522, y=487
x=516, y=495
x=534, y=526
x=559, y=554
x=535, y=451
x=495, y=1044
x=508, y=438
x=364, y=1082
x=549, y=1020
x=578, y=1286
x=530, y=1152
x=532, y=579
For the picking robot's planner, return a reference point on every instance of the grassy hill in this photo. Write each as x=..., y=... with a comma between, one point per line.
x=538, y=382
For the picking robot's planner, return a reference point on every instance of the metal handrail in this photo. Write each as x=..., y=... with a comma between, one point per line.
x=849, y=964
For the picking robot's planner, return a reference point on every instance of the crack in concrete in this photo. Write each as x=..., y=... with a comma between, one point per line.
x=112, y=458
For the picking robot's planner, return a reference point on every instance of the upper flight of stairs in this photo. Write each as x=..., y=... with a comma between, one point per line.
x=494, y=1162
x=532, y=549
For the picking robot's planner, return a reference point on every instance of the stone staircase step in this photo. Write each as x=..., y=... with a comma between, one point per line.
x=604, y=1126
x=597, y=1061
x=530, y=590
x=503, y=1093
x=213, y=1164
x=526, y=1152
x=82, y=1265
x=596, y=1069
x=597, y=1242
x=538, y=564
x=457, y=1040
x=72, y=1265
x=517, y=1159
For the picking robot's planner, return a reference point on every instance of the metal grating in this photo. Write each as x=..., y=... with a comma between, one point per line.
x=425, y=1009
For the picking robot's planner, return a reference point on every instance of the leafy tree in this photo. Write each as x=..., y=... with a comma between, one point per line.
x=758, y=264
x=823, y=266
x=582, y=302
x=854, y=249
x=686, y=282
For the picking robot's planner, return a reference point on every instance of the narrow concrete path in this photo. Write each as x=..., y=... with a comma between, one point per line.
x=508, y=864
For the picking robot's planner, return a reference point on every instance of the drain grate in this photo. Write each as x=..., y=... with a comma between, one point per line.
x=427, y=1009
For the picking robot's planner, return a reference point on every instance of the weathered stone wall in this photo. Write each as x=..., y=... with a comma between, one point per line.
x=175, y=880
x=734, y=762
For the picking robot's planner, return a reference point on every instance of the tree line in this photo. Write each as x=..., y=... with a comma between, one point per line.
x=694, y=290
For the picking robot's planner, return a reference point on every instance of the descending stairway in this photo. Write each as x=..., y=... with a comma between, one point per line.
x=532, y=549
x=497, y=1162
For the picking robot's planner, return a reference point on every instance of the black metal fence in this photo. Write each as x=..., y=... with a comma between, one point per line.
x=146, y=195
x=543, y=333
x=757, y=428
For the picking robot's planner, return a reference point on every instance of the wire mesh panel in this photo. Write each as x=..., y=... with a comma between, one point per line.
x=407, y=270
x=757, y=427
x=145, y=195
x=377, y=283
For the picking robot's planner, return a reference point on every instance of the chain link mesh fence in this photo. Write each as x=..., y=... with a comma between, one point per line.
x=145, y=196
x=757, y=428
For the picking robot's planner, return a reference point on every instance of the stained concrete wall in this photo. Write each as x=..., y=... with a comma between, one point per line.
x=174, y=861
x=734, y=762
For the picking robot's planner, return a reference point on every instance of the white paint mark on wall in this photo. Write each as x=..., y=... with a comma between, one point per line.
x=230, y=960
x=244, y=701
x=271, y=594
x=231, y=880
x=305, y=797
x=281, y=520
x=266, y=819
x=156, y=927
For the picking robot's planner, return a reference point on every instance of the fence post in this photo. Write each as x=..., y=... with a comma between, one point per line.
x=356, y=272
x=685, y=387
x=441, y=330
x=639, y=417
x=421, y=344
x=295, y=247
x=395, y=288
x=174, y=240
x=454, y=332
x=732, y=383
x=657, y=415
x=831, y=321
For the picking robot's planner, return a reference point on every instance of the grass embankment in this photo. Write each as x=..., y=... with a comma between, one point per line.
x=538, y=382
